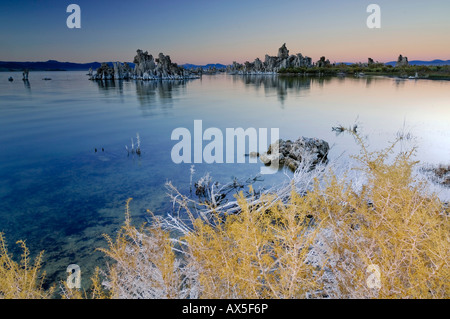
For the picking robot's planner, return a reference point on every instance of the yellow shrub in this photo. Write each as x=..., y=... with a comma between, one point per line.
x=259, y=253
x=144, y=264
x=386, y=238
x=392, y=224
x=21, y=280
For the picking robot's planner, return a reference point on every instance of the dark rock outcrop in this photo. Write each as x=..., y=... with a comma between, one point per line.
x=104, y=72
x=402, y=61
x=25, y=75
x=291, y=154
x=323, y=62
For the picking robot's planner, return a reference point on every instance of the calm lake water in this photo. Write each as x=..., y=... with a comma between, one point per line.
x=60, y=195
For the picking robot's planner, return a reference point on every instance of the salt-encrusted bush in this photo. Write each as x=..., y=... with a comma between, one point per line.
x=145, y=265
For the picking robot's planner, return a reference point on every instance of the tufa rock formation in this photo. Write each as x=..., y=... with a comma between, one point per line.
x=122, y=71
x=283, y=52
x=401, y=61
x=323, y=63
x=271, y=64
x=146, y=68
x=104, y=72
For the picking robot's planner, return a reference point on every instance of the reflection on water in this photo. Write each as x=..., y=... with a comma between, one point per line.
x=111, y=88
x=150, y=94
x=399, y=83
x=27, y=85
x=282, y=86
x=279, y=85
x=147, y=92
x=108, y=86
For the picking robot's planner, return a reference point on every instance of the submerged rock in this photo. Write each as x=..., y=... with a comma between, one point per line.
x=439, y=174
x=292, y=153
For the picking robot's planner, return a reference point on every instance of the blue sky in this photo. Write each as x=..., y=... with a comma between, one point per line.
x=213, y=31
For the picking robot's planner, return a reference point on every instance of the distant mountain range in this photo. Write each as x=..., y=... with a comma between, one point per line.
x=52, y=65
x=418, y=62
x=207, y=66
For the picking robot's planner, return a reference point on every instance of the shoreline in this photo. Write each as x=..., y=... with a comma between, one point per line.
x=434, y=77
x=397, y=77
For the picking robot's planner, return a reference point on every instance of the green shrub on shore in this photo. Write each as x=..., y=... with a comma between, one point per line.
x=438, y=72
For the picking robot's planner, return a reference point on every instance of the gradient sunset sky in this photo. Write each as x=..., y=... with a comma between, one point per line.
x=211, y=31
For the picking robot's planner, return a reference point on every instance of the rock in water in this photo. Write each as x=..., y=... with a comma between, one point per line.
x=25, y=75
x=271, y=64
x=291, y=154
x=104, y=72
x=146, y=68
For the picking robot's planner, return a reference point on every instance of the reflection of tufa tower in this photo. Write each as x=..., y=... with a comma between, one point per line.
x=402, y=61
